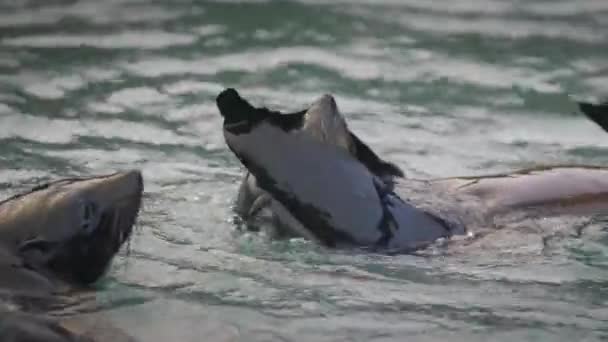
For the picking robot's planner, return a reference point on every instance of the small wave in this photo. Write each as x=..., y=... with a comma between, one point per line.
x=123, y=40
x=502, y=27
x=63, y=131
x=98, y=12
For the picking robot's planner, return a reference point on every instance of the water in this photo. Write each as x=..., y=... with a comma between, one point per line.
x=472, y=87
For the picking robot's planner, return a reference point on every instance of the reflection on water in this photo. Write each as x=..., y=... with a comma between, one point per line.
x=469, y=87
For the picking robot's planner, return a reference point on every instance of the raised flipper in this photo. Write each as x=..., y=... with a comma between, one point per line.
x=232, y=105
x=373, y=163
x=230, y=102
x=241, y=116
x=596, y=112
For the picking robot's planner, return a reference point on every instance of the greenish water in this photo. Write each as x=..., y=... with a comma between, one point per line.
x=441, y=88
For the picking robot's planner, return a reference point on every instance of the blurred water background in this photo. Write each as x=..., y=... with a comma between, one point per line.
x=442, y=88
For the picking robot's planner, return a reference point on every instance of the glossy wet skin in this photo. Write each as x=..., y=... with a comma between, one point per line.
x=544, y=192
x=71, y=228
x=323, y=122
x=315, y=181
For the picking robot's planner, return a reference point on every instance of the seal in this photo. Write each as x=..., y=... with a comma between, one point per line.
x=544, y=190
x=321, y=120
x=318, y=186
x=58, y=238
x=325, y=191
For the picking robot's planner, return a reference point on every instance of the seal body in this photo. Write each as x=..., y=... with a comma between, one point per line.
x=330, y=192
x=322, y=122
x=358, y=209
x=544, y=191
x=540, y=191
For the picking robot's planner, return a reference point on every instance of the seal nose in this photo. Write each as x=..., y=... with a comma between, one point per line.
x=139, y=178
x=130, y=179
x=132, y=175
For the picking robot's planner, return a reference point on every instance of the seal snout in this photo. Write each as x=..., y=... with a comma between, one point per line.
x=134, y=177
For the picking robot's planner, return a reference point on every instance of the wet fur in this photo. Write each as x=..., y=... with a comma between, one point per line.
x=29, y=280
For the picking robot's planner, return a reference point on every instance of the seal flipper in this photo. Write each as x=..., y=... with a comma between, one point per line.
x=371, y=160
x=241, y=117
x=236, y=110
x=597, y=113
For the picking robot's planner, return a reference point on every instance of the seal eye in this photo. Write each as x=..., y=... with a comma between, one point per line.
x=90, y=216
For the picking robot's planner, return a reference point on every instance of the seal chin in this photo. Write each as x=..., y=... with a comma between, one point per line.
x=73, y=227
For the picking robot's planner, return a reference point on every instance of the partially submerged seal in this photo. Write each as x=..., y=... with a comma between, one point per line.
x=322, y=121
x=318, y=186
x=61, y=237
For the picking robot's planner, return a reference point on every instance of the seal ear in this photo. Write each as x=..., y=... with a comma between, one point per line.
x=597, y=113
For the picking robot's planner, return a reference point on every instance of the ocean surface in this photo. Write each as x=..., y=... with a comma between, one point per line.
x=442, y=88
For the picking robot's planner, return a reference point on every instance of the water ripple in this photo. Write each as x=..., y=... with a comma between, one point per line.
x=130, y=40
x=442, y=89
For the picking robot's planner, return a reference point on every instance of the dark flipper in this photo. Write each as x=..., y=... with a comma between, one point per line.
x=371, y=160
x=236, y=109
x=597, y=113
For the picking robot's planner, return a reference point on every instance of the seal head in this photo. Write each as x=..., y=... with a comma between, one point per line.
x=71, y=228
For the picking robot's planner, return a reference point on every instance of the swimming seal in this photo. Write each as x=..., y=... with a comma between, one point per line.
x=320, y=187
x=337, y=200
x=321, y=120
x=59, y=238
